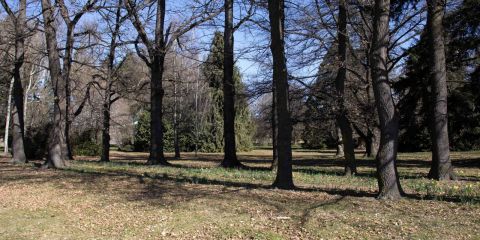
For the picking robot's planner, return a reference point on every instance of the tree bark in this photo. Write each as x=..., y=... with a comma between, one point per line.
x=157, y=156
x=441, y=168
x=341, y=118
x=230, y=151
x=284, y=178
x=388, y=181
x=55, y=158
x=374, y=136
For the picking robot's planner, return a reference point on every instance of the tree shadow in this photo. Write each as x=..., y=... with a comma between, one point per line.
x=347, y=192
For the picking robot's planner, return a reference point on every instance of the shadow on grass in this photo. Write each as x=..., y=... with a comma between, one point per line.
x=245, y=185
x=325, y=166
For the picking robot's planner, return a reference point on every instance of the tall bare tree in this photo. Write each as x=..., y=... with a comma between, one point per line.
x=388, y=181
x=109, y=79
x=156, y=50
x=230, y=150
x=71, y=21
x=20, y=27
x=276, y=13
x=441, y=168
x=56, y=156
x=341, y=118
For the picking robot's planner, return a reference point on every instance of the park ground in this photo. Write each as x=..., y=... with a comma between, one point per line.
x=194, y=199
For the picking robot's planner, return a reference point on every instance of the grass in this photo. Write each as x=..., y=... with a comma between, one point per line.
x=125, y=199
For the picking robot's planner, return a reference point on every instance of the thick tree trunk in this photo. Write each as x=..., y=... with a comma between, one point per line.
x=284, y=178
x=341, y=118
x=19, y=20
x=18, y=150
x=156, y=135
x=371, y=142
x=55, y=158
x=441, y=168
x=230, y=158
x=388, y=182
x=348, y=145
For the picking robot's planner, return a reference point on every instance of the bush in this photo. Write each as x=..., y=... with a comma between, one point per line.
x=126, y=148
x=36, y=141
x=88, y=148
x=86, y=144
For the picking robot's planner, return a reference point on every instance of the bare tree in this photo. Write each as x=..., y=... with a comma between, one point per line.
x=341, y=118
x=284, y=179
x=71, y=21
x=20, y=28
x=108, y=95
x=156, y=50
x=441, y=168
x=230, y=152
x=388, y=181
x=56, y=158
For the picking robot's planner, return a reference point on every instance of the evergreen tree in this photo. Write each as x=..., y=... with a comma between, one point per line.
x=463, y=37
x=212, y=134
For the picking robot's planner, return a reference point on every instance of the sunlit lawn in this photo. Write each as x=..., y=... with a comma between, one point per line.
x=196, y=199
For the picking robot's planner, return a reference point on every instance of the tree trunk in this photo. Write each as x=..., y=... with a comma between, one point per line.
x=230, y=158
x=30, y=85
x=156, y=135
x=388, y=182
x=338, y=132
x=55, y=158
x=284, y=179
x=7, y=120
x=67, y=66
x=375, y=141
x=274, y=166
x=107, y=101
x=18, y=150
x=441, y=168
x=341, y=118
x=175, y=120
x=19, y=20
x=106, y=128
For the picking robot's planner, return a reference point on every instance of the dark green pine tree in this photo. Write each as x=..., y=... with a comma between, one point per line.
x=212, y=135
x=462, y=29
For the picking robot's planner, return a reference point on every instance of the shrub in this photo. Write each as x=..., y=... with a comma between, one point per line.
x=36, y=141
x=86, y=144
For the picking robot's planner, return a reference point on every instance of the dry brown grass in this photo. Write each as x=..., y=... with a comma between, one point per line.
x=127, y=200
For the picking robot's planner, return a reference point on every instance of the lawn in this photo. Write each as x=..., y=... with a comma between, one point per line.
x=193, y=199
